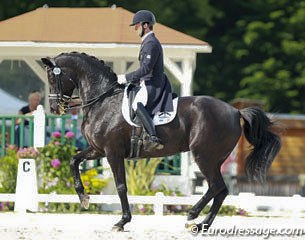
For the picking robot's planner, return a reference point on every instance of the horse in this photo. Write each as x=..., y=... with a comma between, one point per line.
x=207, y=127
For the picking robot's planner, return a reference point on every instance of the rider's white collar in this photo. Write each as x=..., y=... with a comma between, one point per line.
x=145, y=36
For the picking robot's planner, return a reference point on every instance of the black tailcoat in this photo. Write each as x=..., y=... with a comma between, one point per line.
x=152, y=72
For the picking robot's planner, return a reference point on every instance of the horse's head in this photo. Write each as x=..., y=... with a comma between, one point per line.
x=91, y=76
x=61, y=85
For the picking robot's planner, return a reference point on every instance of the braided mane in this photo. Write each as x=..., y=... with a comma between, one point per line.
x=99, y=63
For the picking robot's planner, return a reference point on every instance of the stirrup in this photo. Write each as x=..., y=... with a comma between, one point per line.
x=152, y=143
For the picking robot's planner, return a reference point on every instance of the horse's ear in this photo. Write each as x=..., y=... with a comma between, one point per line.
x=47, y=62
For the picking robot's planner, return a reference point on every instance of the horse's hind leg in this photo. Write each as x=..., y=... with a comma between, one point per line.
x=217, y=190
x=218, y=200
x=87, y=154
x=197, y=208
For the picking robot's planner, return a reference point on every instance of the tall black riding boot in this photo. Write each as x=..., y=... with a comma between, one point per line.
x=153, y=140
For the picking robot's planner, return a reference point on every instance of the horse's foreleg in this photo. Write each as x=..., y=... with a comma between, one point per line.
x=87, y=154
x=118, y=169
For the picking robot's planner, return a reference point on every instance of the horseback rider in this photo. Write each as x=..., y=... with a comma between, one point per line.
x=150, y=75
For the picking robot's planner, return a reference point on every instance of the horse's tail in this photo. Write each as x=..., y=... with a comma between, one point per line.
x=266, y=144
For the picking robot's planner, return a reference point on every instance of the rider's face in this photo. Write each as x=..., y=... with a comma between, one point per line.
x=138, y=29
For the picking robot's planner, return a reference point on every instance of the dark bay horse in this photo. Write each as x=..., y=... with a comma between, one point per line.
x=208, y=127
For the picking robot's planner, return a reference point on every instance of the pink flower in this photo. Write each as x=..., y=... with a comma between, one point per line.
x=27, y=153
x=56, y=134
x=11, y=147
x=56, y=143
x=242, y=212
x=142, y=208
x=69, y=134
x=55, y=163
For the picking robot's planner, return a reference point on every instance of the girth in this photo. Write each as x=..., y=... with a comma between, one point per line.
x=136, y=141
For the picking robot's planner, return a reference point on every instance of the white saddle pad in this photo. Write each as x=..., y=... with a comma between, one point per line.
x=160, y=118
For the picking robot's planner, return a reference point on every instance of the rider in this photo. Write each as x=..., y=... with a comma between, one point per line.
x=151, y=73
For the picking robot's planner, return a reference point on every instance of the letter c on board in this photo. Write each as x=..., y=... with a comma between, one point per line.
x=26, y=166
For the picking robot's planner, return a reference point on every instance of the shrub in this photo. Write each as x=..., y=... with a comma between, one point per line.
x=8, y=170
x=92, y=183
x=53, y=165
x=54, y=175
x=140, y=175
x=226, y=210
x=54, y=172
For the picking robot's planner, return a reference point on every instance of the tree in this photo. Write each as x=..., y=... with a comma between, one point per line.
x=274, y=50
x=258, y=53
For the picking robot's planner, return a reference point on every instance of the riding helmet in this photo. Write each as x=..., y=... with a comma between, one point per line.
x=143, y=16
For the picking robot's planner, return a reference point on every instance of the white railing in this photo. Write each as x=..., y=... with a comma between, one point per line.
x=274, y=206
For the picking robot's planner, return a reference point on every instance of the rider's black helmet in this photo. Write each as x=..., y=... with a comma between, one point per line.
x=143, y=16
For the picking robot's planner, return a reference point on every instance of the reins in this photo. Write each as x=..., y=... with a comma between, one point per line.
x=112, y=91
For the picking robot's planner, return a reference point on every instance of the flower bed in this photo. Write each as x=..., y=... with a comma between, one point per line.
x=54, y=175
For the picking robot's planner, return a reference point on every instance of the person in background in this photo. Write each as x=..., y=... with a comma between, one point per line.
x=34, y=101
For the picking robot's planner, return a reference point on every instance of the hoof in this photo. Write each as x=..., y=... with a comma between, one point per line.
x=117, y=229
x=85, y=202
x=189, y=224
x=192, y=227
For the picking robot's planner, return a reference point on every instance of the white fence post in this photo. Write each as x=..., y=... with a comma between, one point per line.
x=297, y=205
x=158, y=204
x=247, y=201
x=39, y=127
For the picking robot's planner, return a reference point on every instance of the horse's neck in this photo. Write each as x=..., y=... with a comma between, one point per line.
x=90, y=88
x=107, y=108
x=93, y=88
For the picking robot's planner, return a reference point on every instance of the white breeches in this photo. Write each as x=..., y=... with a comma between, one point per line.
x=141, y=96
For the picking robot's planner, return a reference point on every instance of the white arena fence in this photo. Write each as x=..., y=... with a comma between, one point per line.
x=254, y=205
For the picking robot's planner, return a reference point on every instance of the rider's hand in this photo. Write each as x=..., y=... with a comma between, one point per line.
x=122, y=79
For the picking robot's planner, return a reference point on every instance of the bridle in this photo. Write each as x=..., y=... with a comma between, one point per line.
x=63, y=100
